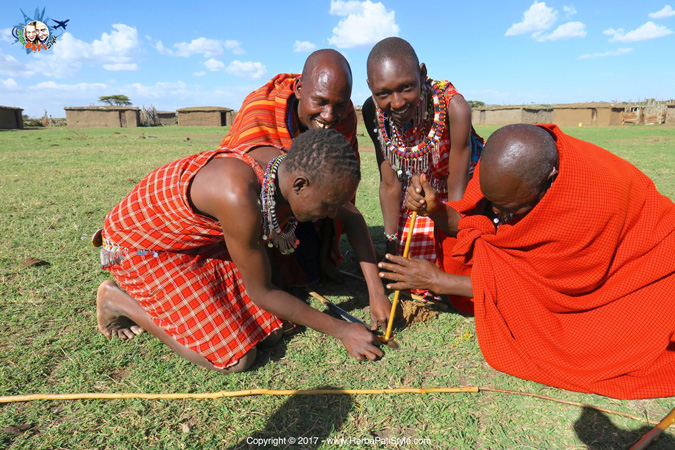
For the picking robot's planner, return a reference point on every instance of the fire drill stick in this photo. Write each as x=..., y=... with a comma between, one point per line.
x=406, y=250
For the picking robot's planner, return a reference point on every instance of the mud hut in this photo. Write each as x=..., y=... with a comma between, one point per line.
x=587, y=115
x=167, y=118
x=102, y=116
x=11, y=118
x=505, y=115
x=670, y=115
x=205, y=116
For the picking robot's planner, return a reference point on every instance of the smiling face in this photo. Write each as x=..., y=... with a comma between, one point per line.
x=42, y=31
x=30, y=32
x=396, y=85
x=323, y=98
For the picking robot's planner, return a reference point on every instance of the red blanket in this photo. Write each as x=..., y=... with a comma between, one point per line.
x=578, y=294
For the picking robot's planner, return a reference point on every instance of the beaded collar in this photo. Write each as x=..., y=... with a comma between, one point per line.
x=284, y=239
x=408, y=147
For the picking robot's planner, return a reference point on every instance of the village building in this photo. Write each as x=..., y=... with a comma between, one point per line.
x=102, y=116
x=205, y=116
x=10, y=117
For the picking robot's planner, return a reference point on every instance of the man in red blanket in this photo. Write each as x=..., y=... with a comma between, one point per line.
x=277, y=113
x=573, y=264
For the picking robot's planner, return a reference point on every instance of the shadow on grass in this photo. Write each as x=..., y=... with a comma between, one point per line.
x=596, y=431
x=303, y=421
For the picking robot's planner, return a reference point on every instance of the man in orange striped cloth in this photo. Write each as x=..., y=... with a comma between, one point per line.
x=573, y=264
x=188, y=250
x=277, y=113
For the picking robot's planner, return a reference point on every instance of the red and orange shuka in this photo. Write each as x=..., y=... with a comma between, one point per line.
x=578, y=294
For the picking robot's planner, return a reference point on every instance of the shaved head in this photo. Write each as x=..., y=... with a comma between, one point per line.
x=390, y=48
x=326, y=60
x=517, y=160
x=324, y=90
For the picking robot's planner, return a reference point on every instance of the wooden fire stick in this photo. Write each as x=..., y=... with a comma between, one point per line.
x=406, y=250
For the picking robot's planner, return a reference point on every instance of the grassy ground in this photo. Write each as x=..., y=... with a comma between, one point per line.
x=58, y=184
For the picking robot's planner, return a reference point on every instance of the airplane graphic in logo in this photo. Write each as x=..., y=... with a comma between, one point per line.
x=60, y=24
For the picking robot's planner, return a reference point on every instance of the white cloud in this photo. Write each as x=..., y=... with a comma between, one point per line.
x=115, y=51
x=6, y=35
x=246, y=69
x=12, y=67
x=567, y=30
x=303, y=46
x=9, y=83
x=121, y=67
x=199, y=74
x=214, y=65
x=647, y=31
x=535, y=20
x=208, y=48
x=621, y=51
x=364, y=23
x=243, y=69
x=234, y=47
x=82, y=87
x=666, y=12
x=569, y=11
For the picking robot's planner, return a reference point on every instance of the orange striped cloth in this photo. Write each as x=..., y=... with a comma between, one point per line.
x=267, y=117
x=263, y=118
x=175, y=264
x=578, y=293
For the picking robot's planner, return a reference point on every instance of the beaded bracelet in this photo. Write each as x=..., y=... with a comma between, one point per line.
x=391, y=237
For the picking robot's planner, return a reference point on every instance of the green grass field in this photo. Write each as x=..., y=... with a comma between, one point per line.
x=57, y=185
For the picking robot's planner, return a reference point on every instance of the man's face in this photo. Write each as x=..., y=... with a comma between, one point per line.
x=42, y=31
x=30, y=32
x=396, y=84
x=322, y=198
x=323, y=98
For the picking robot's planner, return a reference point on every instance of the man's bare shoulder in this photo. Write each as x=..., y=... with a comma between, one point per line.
x=224, y=184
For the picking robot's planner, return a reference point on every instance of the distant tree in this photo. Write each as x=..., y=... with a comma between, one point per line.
x=117, y=100
x=476, y=103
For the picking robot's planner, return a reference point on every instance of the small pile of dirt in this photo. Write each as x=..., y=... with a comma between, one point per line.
x=412, y=311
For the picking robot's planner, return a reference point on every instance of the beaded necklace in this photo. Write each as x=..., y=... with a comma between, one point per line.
x=273, y=234
x=408, y=147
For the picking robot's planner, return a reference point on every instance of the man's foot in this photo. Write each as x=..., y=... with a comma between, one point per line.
x=111, y=322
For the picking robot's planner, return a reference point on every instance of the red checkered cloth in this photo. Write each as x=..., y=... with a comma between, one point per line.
x=578, y=293
x=176, y=265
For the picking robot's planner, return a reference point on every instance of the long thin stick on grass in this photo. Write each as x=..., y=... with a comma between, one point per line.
x=288, y=392
x=656, y=432
x=394, y=303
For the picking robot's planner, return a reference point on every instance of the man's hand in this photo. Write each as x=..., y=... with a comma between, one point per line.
x=421, y=196
x=360, y=342
x=410, y=273
x=380, y=308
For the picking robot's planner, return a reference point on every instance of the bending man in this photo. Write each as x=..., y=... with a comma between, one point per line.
x=571, y=250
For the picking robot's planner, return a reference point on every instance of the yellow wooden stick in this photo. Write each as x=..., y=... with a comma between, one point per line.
x=406, y=250
x=656, y=432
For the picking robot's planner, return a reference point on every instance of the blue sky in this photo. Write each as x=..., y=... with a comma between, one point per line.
x=174, y=54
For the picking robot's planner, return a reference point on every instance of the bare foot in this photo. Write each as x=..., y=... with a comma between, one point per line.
x=111, y=321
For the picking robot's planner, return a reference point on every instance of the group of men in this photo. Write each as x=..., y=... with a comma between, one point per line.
x=566, y=251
